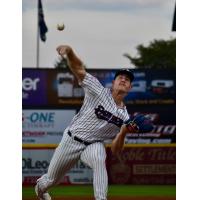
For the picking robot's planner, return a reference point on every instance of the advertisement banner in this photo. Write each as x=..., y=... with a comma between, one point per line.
x=60, y=87
x=150, y=86
x=63, y=88
x=34, y=84
x=164, y=120
x=142, y=165
x=35, y=163
x=45, y=126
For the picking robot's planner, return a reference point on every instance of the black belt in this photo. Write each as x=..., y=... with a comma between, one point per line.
x=78, y=139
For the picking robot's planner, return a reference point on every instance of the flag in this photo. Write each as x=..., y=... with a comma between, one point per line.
x=41, y=23
x=174, y=21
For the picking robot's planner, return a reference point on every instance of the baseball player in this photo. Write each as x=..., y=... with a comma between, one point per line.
x=102, y=116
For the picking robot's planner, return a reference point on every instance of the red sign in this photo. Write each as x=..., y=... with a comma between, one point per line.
x=143, y=165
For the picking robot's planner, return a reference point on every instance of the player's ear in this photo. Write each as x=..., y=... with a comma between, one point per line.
x=113, y=82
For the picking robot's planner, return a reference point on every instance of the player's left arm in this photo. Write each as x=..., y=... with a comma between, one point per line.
x=118, y=143
x=138, y=124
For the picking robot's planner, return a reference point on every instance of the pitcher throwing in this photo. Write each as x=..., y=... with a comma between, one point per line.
x=102, y=116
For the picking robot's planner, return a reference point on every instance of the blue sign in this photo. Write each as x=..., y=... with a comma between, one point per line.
x=34, y=85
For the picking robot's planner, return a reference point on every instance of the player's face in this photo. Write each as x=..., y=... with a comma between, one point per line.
x=122, y=83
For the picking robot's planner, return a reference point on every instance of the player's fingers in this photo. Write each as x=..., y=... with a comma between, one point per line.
x=58, y=49
x=61, y=47
x=61, y=50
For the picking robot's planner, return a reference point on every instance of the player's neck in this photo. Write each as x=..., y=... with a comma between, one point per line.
x=118, y=98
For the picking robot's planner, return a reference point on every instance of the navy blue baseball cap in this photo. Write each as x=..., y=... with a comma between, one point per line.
x=128, y=72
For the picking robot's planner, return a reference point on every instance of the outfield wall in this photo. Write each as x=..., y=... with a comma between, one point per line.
x=138, y=164
x=51, y=98
x=46, y=126
x=58, y=87
x=35, y=162
x=143, y=164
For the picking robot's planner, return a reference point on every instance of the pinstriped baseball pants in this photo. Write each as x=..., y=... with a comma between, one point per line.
x=66, y=156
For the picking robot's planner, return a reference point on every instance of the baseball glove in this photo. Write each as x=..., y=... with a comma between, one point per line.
x=139, y=124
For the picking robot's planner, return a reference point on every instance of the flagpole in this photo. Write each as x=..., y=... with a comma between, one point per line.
x=38, y=39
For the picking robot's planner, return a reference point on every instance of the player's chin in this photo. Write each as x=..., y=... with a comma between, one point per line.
x=123, y=90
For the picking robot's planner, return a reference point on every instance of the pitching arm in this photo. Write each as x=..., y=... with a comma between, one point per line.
x=75, y=64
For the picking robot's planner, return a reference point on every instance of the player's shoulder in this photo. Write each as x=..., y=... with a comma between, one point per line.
x=106, y=92
x=90, y=77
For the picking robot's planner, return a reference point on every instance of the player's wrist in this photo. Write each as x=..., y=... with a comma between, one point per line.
x=124, y=130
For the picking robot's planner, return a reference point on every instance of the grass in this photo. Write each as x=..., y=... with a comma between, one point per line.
x=114, y=190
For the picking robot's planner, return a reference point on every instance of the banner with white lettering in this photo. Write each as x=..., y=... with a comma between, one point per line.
x=34, y=84
x=56, y=87
x=164, y=120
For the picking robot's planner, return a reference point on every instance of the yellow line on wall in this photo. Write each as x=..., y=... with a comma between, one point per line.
x=53, y=146
x=36, y=146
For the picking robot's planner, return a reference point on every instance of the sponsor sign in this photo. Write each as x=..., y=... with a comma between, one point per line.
x=45, y=126
x=34, y=87
x=142, y=165
x=63, y=88
x=35, y=163
x=149, y=86
x=60, y=87
x=164, y=120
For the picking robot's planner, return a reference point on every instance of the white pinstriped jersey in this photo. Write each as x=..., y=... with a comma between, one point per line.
x=99, y=117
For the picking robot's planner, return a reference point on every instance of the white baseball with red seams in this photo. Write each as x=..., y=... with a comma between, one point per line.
x=98, y=119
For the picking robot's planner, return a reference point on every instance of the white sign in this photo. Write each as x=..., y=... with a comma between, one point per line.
x=35, y=163
x=45, y=126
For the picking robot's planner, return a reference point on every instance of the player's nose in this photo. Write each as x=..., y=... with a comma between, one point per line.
x=123, y=80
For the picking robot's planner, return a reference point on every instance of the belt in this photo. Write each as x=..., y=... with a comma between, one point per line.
x=78, y=139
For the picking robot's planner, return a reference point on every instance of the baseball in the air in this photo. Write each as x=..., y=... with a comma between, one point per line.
x=60, y=27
